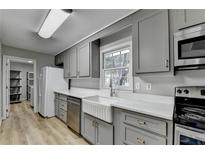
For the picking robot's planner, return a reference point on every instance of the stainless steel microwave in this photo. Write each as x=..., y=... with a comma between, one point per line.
x=189, y=46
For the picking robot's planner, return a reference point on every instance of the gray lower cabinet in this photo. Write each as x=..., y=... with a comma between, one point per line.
x=151, y=43
x=63, y=115
x=187, y=17
x=104, y=133
x=138, y=129
x=136, y=136
x=97, y=131
x=56, y=105
x=61, y=107
x=89, y=129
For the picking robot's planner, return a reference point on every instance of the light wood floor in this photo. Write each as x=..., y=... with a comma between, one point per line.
x=25, y=127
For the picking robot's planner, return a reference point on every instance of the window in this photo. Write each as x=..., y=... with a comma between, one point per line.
x=116, y=65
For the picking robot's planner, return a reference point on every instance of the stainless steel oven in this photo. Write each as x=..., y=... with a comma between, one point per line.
x=189, y=46
x=189, y=115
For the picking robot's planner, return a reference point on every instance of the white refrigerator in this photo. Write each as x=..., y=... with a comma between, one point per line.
x=51, y=79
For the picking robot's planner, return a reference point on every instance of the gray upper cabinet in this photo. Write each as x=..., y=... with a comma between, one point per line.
x=194, y=16
x=151, y=43
x=59, y=59
x=186, y=18
x=66, y=65
x=84, y=60
x=73, y=63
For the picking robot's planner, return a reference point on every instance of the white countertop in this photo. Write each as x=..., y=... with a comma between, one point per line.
x=154, y=105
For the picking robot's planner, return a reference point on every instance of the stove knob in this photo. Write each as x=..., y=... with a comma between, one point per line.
x=186, y=91
x=179, y=91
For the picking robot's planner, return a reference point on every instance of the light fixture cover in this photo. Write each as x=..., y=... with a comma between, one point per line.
x=52, y=22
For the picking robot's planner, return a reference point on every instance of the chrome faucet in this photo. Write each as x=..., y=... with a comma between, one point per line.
x=112, y=90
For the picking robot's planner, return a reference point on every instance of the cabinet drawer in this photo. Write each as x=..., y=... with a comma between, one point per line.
x=63, y=105
x=56, y=108
x=145, y=123
x=137, y=136
x=63, y=115
x=63, y=97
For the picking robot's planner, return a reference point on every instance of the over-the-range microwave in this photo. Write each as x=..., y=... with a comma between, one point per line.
x=189, y=46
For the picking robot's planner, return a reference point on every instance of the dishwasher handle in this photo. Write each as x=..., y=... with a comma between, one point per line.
x=73, y=102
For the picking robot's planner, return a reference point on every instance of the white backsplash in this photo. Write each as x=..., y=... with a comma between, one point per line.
x=93, y=83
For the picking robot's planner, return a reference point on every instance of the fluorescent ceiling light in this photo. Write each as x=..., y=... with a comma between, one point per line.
x=53, y=21
x=30, y=61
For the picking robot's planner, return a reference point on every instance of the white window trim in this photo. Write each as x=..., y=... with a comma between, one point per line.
x=117, y=45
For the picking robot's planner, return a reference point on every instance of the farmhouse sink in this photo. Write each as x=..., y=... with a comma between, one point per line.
x=99, y=107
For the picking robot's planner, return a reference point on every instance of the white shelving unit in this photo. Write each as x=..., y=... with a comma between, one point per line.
x=15, y=86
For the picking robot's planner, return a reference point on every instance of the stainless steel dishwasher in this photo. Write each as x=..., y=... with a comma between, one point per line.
x=74, y=113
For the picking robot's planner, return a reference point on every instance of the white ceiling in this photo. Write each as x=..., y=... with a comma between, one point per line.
x=19, y=28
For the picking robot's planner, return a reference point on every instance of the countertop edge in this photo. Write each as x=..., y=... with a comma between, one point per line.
x=170, y=118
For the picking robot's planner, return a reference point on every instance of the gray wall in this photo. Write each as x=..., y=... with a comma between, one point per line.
x=41, y=59
x=24, y=68
x=92, y=83
x=164, y=84
x=116, y=36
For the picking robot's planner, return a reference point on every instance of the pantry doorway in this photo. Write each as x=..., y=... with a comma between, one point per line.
x=13, y=75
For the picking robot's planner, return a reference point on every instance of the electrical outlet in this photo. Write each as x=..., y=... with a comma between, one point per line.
x=137, y=85
x=148, y=86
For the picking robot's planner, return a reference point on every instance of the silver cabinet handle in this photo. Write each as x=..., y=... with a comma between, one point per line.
x=93, y=123
x=96, y=124
x=141, y=122
x=166, y=63
x=140, y=140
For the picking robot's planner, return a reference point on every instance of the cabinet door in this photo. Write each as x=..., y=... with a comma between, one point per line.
x=194, y=16
x=89, y=129
x=152, y=43
x=56, y=107
x=84, y=60
x=67, y=65
x=178, y=18
x=73, y=63
x=184, y=18
x=104, y=133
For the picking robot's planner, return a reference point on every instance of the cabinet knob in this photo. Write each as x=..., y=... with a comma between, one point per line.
x=166, y=63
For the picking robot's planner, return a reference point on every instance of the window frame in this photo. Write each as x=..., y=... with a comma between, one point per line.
x=125, y=43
